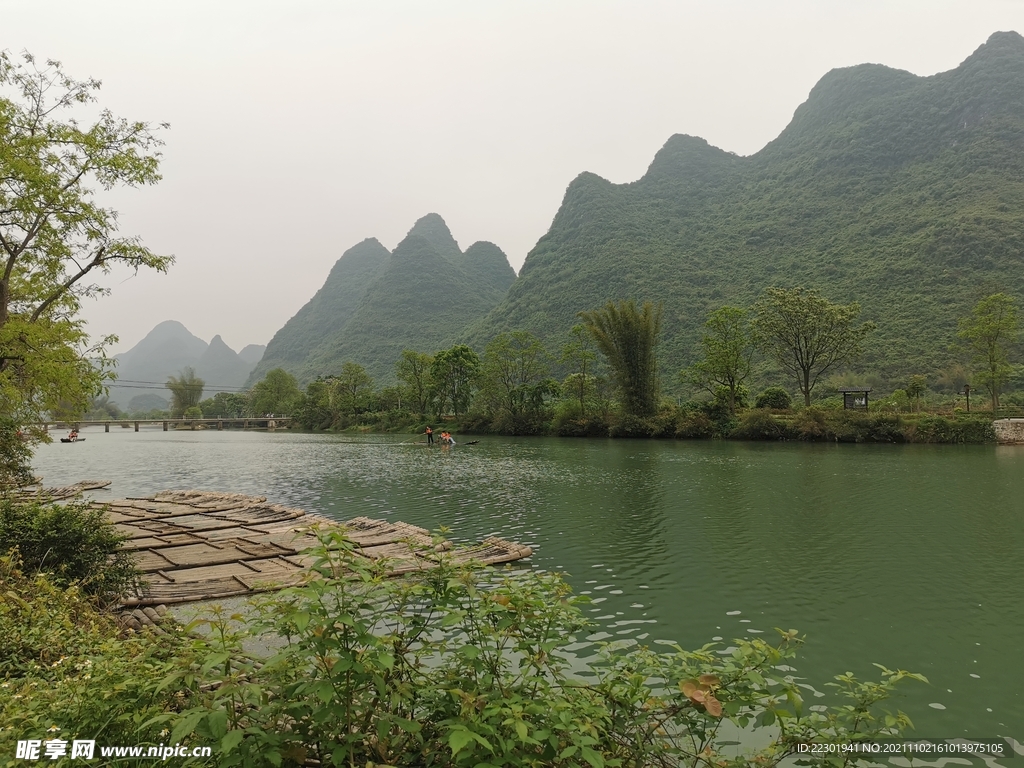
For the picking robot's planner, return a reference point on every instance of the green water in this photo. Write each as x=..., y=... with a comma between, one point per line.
x=909, y=556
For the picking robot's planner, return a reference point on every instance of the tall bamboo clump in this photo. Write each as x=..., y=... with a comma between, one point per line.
x=627, y=337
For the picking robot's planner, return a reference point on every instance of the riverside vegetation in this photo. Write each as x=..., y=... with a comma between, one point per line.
x=511, y=388
x=458, y=666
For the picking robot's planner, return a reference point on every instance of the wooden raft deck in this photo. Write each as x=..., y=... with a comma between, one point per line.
x=198, y=545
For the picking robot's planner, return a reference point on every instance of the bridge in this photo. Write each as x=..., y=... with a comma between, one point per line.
x=249, y=422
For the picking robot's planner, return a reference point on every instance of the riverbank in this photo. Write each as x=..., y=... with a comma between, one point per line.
x=708, y=422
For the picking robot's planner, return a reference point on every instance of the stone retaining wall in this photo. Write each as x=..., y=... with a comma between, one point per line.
x=1009, y=431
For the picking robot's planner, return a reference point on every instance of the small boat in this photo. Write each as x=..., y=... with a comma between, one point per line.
x=69, y=440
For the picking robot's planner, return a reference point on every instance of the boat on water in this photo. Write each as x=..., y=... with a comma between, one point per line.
x=72, y=440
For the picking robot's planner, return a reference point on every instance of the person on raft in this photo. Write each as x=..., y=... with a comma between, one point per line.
x=73, y=435
x=430, y=436
x=447, y=439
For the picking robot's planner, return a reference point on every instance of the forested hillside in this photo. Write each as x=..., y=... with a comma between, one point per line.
x=374, y=304
x=904, y=193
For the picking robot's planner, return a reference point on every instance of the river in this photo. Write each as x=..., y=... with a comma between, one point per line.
x=909, y=556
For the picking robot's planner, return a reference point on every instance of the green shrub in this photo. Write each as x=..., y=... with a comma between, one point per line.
x=633, y=426
x=455, y=666
x=73, y=542
x=68, y=670
x=939, y=429
x=589, y=426
x=695, y=425
x=15, y=456
x=463, y=666
x=760, y=425
x=775, y=398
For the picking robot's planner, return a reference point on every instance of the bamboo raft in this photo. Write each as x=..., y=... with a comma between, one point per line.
x=199, y=545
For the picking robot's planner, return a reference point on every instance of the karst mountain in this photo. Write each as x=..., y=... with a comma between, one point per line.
x=376, y=302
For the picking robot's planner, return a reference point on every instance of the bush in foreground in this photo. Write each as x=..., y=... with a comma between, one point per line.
x=466, y=666
x=458, y=666
x=73, y=542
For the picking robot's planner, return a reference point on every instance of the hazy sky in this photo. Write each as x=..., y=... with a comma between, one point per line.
x=299, y=128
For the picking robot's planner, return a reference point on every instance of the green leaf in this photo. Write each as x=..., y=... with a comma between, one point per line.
x=596, y=759
x=217, y=722
x=458, y=740
x=231, y=740
x=521, y=730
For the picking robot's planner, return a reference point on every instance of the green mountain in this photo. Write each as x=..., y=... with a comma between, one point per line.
x=374, y=304
x=904, y=193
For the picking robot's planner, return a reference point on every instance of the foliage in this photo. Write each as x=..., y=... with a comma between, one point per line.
x=774, y=397
x=758, y=424
x=514, y=383
x=74, y=543
x=817, y=424
x=68, y=670
x=578, y=355
x=990, y=332
x=413, y=370
x=726, y=351
x=276, y=393
x=186, y=391
x=461, y=666
x=55, y=238
x=628, y=337
x=350, y=390
x=15, y=456
x=454, y=373
x=228, y=405
x=807, y=335
x=916, y=387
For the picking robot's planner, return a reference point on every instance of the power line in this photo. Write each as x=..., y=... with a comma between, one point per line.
x=136, y=384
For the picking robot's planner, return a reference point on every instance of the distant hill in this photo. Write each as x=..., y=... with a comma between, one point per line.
x=374, y=304
x=904, y=193
x=252, y=353
x=166, y=351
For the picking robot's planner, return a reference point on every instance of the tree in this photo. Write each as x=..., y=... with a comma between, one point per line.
x=627, y=337
x=276, y=393
x=454, y=373
x=351, y=389
x=916, y=387
x=226, y=405
x=514, y=378
x=413, y=370
x=807, y=335
x=726, y=352
x=990, y=332
x=579, y=355
x=55, y=237
x=186, y=391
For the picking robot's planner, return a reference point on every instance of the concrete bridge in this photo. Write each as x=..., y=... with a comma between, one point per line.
x=262, y=422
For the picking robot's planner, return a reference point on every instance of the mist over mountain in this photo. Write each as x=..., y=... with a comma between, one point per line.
x=375, y=303
x=165, y=352
x=904, y=193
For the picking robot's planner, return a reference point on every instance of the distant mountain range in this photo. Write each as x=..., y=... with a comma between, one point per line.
x=166, y=351
x=904, y=193
x=901, y=192
x=375, y=303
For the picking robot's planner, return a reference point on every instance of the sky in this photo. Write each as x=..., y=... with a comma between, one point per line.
x=300, y=128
